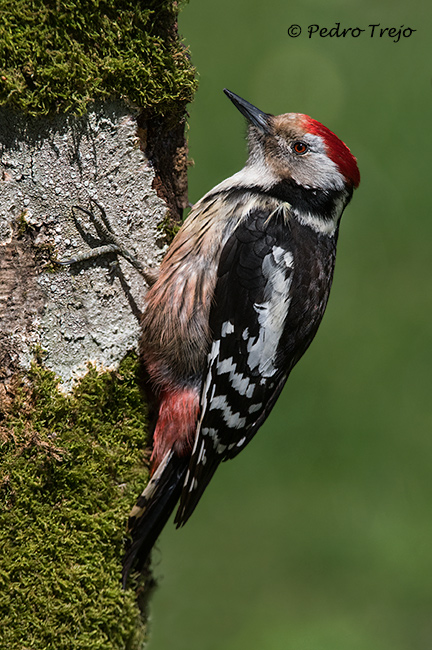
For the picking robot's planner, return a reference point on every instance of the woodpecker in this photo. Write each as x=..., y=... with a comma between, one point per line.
x=238, y=299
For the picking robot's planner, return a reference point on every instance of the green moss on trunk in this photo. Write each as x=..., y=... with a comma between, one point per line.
x=69, y=475
x=71, y=466
x=59, y=55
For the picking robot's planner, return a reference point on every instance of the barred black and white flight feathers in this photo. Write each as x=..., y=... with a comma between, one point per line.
x=250, y=358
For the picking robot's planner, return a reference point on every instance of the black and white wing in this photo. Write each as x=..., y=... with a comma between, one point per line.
x=248, y=363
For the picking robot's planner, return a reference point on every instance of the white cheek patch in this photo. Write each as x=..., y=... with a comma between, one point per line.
x=314, y=169
x=320, y=173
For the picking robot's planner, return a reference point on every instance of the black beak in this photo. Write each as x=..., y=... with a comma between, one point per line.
x=252, y=113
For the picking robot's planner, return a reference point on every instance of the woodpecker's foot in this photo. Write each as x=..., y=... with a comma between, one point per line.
x=110, y=243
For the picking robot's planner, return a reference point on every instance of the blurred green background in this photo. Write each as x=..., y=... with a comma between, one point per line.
x=319, y=535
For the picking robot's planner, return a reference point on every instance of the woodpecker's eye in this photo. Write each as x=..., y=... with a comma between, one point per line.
x=299, y=147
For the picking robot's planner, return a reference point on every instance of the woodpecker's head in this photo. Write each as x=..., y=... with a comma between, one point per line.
x=297, y=148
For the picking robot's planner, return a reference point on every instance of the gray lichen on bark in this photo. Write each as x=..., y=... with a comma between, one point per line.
x=87, y=311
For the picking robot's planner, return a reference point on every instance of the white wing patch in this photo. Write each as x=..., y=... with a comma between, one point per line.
x=227, y=328
x=271, y=313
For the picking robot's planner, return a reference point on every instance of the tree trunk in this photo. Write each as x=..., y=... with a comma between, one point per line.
x=76, y=175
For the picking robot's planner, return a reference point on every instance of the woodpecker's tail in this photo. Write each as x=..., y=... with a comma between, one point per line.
x=152, y=510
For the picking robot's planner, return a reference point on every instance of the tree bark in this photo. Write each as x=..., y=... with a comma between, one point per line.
x=90, y=310
x=73, y=448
